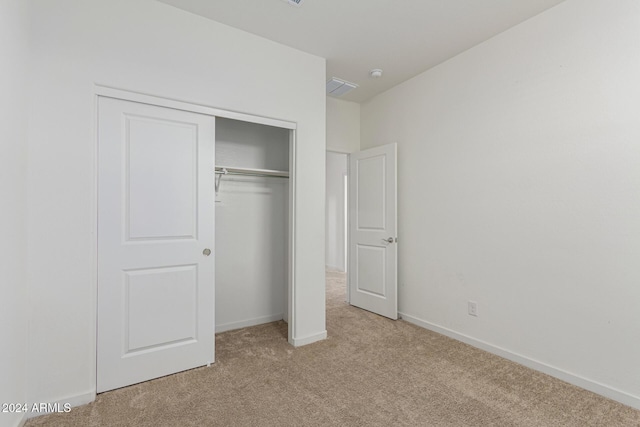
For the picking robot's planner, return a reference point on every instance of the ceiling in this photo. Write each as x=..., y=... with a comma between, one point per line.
x=404, y=38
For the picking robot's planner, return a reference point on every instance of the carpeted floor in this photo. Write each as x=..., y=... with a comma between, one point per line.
x=371, y=371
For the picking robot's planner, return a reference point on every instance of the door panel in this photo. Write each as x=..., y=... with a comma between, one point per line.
x=160, y=304
x=161, y=177
x=155, y=218
x=371, y=262
x=371, y=193
x=373, y=231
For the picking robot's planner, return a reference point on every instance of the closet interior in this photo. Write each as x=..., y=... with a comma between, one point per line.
x=251, y=223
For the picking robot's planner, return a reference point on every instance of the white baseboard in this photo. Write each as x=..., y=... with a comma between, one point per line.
x=298, y=342
x=585, y=383
x=73, y=401
x=21, y=420
x=249, y=322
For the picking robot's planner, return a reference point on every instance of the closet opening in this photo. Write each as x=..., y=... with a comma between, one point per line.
x=251, y=223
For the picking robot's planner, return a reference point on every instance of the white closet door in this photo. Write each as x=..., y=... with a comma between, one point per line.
x=155, y=234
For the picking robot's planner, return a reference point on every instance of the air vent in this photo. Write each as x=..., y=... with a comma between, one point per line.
x=337, y=87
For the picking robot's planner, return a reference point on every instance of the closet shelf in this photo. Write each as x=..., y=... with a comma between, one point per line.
x=229, y=170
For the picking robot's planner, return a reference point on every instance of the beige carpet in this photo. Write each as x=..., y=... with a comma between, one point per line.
x=371, y=371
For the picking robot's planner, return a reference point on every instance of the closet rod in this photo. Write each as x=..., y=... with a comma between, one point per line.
x=224, y=170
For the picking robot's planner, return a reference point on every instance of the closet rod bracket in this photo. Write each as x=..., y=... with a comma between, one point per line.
x=219, y=173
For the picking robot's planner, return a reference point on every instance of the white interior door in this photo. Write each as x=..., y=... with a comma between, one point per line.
x=373, y=253
x=155, y=234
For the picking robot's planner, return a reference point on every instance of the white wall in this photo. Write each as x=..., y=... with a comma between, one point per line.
x=337, y=167
x=343, y=136
x=343, y=125
x=148, y=47
x=251, y=145
x=519, y=187
x=14, y=43
x=251, y=226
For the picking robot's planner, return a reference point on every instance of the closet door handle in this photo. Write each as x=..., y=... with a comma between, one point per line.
x=389, y=240
x=206, y=252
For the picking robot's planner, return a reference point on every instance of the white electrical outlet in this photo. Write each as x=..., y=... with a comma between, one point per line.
x=472, y=306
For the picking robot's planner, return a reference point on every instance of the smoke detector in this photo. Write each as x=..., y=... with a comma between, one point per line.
x=376, y=73
x=338, y=87
x=294, y=2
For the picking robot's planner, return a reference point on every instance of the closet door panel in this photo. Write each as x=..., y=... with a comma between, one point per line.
x=161, y=177
x=155, y=225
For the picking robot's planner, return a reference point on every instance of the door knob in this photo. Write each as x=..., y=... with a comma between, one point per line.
x=389, y=240
x=206, y=252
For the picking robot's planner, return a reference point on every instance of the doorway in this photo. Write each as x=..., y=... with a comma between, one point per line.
x=361, y=226
x=336, y=217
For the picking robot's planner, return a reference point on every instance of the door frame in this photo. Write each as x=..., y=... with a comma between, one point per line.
x=100, y=91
